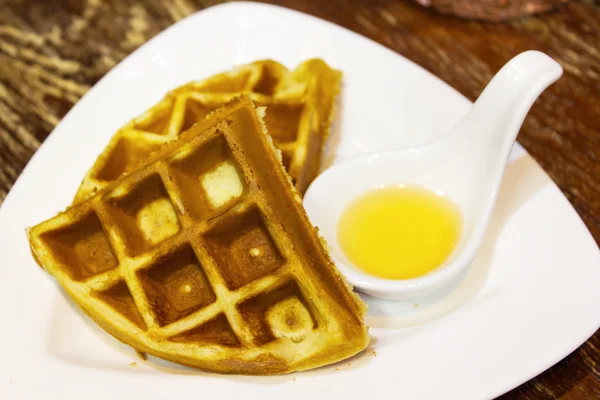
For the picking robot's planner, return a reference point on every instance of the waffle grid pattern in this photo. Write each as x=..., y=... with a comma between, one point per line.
x=188, y=256
x=189, y=238
x=299, y=113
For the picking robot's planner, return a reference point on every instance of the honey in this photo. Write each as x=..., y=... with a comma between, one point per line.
x=399, y=232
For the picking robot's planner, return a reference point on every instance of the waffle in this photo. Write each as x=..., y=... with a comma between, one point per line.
x=299, y=112
x=205, y=257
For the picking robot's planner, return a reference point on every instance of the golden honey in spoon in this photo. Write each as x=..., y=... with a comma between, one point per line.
x=399, y=232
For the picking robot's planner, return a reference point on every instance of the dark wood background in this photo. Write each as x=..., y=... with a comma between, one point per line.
x=53, y=51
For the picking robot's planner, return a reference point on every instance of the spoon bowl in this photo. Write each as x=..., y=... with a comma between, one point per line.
x=466, y=165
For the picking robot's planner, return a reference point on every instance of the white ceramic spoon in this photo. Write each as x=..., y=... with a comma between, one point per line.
x=467, y=165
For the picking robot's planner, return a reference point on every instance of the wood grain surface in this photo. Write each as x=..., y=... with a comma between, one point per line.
x=53, y=51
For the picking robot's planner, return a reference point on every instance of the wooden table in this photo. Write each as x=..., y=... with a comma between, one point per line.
x=53, y=51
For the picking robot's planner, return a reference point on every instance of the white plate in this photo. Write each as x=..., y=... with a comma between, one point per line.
x=529, y=299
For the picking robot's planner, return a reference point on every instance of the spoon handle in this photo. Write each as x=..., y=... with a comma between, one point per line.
x=498, y=113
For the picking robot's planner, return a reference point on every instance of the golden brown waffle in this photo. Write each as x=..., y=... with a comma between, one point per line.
x=299, y=106
x=205, y=257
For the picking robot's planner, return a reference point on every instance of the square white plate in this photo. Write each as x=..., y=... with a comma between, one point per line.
x=529, y=299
